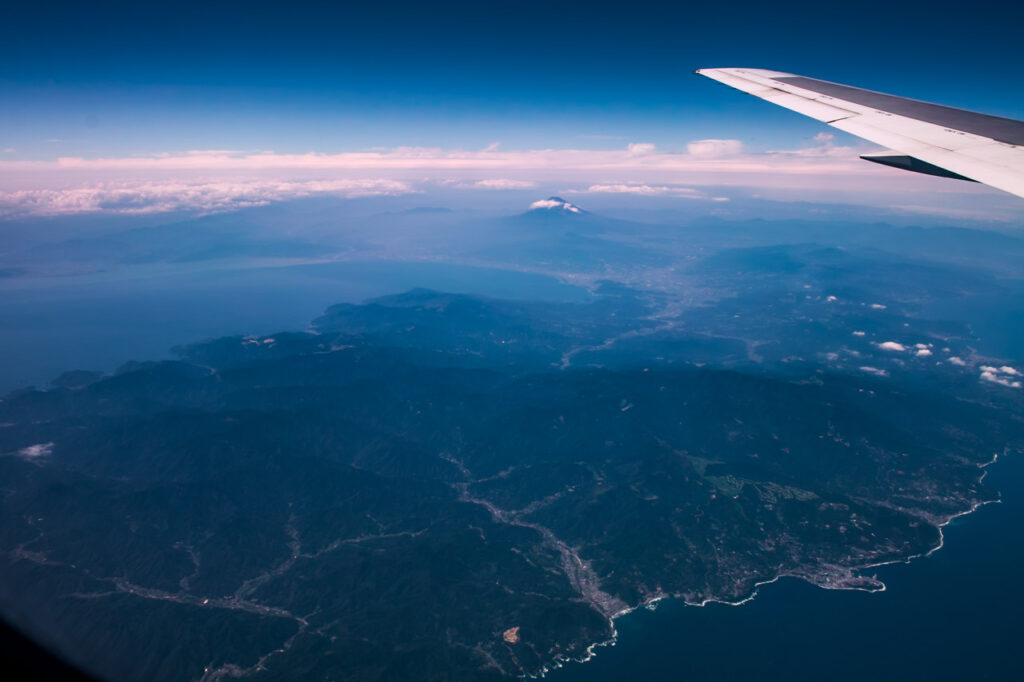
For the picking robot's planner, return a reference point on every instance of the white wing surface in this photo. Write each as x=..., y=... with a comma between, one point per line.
x=926, y=138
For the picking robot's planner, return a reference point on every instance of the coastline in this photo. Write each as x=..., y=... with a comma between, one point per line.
x=878, y=586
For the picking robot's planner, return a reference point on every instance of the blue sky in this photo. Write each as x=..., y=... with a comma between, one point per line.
x=144, y=77
x=117, y=80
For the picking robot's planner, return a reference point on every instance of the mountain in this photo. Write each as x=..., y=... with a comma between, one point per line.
x=436, y=486
x=556, y=206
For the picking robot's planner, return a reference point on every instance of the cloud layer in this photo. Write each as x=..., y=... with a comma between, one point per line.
x=699, y=155
x=196, y=180
x=204, y=196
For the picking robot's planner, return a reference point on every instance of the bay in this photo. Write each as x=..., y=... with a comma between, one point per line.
x=99, y=321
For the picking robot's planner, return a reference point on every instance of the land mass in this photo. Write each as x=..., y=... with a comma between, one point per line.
x=443, y=486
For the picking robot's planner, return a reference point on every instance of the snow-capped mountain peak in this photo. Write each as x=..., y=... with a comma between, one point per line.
x=555, y=204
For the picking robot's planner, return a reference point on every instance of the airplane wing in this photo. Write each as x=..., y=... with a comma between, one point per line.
x=926, y=138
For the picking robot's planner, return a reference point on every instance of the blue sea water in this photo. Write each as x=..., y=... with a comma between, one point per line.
x=49, y=325
x=954, y=615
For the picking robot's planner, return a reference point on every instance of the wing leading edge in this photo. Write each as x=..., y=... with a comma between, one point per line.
x=925, y=138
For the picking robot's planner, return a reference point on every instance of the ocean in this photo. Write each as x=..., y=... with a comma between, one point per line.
x=99, y=321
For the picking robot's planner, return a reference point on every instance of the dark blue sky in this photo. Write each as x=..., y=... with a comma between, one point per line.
x=112, y=78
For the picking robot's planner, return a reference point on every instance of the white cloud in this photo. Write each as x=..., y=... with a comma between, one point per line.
x=996, y=379
x=647, y=190
x=1006, y=369
x=500, y=183
x=875, y=371
x=210, y=196
x=640, y=148
x=825, y=147
x=858, y=333
x=878, y=306
x=892, y=345
x=826, y=150
x=923, y=353
x=714, y=149
x=36, y=451
x=831, y=299
x=954, y=360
